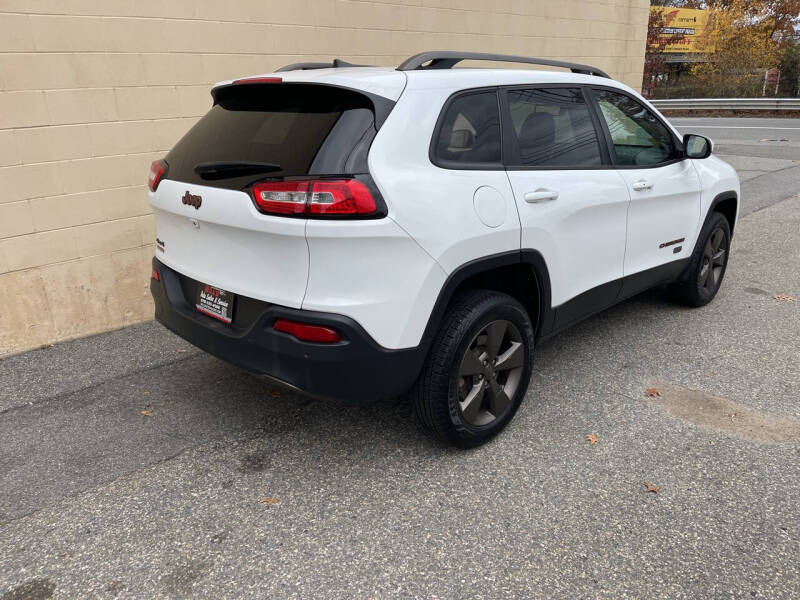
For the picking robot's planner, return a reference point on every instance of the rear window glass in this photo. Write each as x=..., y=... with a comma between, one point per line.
x=301, y=129
x=469, y=133
x=552, y=128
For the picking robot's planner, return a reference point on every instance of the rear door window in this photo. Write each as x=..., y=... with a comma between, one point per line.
x=468, y=135
x=552, y=128
x=301, y=129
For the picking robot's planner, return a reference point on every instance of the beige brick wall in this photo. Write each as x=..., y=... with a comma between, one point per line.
x=91, y=91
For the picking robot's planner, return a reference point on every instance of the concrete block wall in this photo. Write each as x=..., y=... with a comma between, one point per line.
x=91, y=91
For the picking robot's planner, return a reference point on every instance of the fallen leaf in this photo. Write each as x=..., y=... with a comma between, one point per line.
x=181, y=350
x=649, y=487
x=272, y=500
x=46, y=346
x=146, y=413
x=652, y=392
x=784, y=298
x=275, y=393
x=591, y=438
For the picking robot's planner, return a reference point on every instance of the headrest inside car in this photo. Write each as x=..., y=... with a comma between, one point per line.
x=461, y=139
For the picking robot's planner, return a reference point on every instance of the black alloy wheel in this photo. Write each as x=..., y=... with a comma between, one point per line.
x=702, y=278
x=713, y=261
x=490, y=373
x=478, y=368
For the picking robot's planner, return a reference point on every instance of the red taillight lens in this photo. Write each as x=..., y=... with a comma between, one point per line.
x=157, y=171
x=155, y=275
x=329, y=197
x=340, y=197
x=307, y=332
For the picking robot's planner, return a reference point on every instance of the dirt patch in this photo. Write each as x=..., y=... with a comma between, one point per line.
x=181, y=578
x=254, y=463
x=722, y=414
x=35, y=589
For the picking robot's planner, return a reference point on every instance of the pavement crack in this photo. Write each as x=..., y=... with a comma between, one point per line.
x=93, y=386
x=101, y=484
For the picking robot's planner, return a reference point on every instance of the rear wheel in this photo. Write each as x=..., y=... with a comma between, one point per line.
x=478, y=369
x=703, y=278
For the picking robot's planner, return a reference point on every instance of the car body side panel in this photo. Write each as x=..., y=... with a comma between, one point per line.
x=375, y=273
x=436, y=206
x=716, y=177
x=581, y=234
x=659, y=216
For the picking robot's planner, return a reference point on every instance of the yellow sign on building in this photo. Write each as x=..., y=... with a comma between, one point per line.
x=682, y=29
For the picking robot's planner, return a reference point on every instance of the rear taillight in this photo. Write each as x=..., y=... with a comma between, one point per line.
x=282, y=197
x=157, y=171
x=318, y=197
x=307, y=332
x=155, y=274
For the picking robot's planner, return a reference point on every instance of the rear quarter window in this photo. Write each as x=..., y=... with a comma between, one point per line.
x=468, y=133
x=305, y=129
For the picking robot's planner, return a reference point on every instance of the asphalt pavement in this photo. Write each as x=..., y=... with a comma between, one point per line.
x=135, y=466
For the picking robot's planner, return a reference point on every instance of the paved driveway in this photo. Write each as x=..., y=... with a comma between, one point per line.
x=227, y=487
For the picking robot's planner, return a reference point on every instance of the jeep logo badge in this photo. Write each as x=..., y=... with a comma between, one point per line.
x=192, y=200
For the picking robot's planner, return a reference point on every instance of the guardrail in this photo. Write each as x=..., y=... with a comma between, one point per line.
x=728, y=104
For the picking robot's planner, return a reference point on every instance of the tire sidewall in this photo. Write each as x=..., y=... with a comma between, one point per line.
x=503, y=309
x=717, y=221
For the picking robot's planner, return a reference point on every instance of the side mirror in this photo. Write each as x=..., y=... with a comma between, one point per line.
x=697, y=146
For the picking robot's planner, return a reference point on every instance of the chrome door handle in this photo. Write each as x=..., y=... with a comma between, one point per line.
x=540, y=195
x=642, y=185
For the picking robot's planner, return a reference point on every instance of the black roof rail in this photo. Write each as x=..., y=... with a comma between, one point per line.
x=446, y=59
x=304, y=66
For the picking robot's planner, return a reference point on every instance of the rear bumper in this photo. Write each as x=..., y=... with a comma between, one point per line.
x=354, y=369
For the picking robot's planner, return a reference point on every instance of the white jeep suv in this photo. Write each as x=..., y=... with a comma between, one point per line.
x=362, y=232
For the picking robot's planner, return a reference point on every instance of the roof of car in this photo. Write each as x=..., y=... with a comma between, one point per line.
x=390, y=83
x=434, y=70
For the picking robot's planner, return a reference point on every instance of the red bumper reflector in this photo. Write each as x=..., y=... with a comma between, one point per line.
x=307, y=332
x=155, y=275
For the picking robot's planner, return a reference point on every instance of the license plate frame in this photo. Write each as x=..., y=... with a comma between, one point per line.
x=215, y=302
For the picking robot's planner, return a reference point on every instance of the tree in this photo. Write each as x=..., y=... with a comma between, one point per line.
x=785, y=14
x=743, y=40
x=789, y=84
x=655, y=56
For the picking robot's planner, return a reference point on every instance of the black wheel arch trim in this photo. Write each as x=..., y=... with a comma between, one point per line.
x=542, y=322
x=718, y=199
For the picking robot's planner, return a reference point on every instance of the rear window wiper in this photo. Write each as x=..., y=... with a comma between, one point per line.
x=223, y=169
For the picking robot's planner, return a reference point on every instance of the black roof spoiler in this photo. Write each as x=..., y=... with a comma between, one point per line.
x=446, y=59
x=337, y=63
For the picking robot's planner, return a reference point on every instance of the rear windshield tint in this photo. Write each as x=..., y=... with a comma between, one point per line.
x=304, y=129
